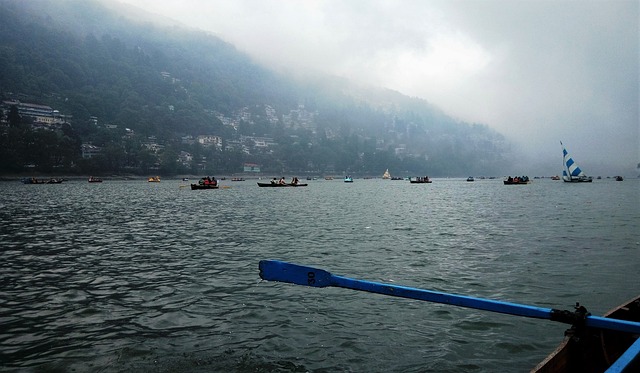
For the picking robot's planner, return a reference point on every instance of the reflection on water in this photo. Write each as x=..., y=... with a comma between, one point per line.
x=124, y=276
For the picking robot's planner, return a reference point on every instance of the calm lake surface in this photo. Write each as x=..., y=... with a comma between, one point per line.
x=129, y=276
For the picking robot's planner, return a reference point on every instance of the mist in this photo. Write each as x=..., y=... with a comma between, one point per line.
x=538, y=72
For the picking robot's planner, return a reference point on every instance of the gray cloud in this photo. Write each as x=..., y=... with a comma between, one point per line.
x=537, y=71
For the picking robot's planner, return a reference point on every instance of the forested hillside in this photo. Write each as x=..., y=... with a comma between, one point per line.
x=171, y=100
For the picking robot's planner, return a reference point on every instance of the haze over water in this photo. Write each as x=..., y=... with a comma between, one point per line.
x=137, y=276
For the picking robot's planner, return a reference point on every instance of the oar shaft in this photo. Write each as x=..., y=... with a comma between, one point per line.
x=274, y=270
x=445, y=298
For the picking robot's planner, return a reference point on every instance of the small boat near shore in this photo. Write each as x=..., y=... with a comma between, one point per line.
x=33, y=180
x=154, y=179
x=278, y=185
x=93, y=179
x=348, y=179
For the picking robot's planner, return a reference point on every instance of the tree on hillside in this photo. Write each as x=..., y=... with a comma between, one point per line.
x=14, y=117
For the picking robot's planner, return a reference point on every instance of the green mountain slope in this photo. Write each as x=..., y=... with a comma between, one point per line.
x=125, y=85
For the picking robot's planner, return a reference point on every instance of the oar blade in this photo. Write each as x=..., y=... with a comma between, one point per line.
x=275, y=270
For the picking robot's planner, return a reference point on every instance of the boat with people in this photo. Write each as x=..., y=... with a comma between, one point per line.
x=206, y=182
x=203, y=186
x=277, y=185
x=517, y=180
x=470, y=178
x=348, y=179
x=619, y=178
x=420, y=180
x=33, y=180
x=93, y=179
x=571, y=172
x=154, y=179
x=608, y=343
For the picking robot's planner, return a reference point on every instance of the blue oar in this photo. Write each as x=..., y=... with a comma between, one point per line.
x=275, y=270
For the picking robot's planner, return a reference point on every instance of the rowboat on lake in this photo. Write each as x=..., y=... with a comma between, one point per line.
x=420, y=180
x=204, y=186
x=591, y=350
x=278, y=185
x=518, y=180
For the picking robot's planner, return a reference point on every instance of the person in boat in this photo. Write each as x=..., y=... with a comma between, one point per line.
x=213, y=181
x=282, y=181
x=274, y=181
x=294, y=181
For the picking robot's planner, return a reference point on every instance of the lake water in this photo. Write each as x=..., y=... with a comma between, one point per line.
x=154, y=277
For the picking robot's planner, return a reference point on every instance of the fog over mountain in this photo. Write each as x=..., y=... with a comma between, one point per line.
x=537, y=71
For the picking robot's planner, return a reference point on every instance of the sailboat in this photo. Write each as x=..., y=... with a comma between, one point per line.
x=572, y=173
x=386, y=175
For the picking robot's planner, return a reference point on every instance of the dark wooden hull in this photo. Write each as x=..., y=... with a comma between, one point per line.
x=593, y=350
x=507, y=182
x=420, y=182
x=269, y=185
x=198, y=186
x=36, y=181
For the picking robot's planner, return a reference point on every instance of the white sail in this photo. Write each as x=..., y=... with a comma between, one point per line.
x=571, y=171
x=386, y=174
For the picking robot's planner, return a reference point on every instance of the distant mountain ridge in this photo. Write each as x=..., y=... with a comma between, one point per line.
x=170, y=83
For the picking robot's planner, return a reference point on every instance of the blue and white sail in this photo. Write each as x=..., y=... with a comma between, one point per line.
x=571, y=172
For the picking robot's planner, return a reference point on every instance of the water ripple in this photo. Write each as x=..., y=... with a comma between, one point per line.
x=129, y=276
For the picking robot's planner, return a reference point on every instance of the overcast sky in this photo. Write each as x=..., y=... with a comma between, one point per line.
x=536, y=71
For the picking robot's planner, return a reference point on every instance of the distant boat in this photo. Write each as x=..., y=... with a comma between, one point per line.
x=556, y=177
x=420, y=180
x=204, y=186
x=154, y=179
x=93, y=179
x=278, y=185
x=348, y=179
x=619, y=178
x=518, y=180
x=33, y=180
x=470, y=178
x=572, y=173
x=386, y=175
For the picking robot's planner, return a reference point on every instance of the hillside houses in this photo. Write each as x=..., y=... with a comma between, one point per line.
x=40, y=116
